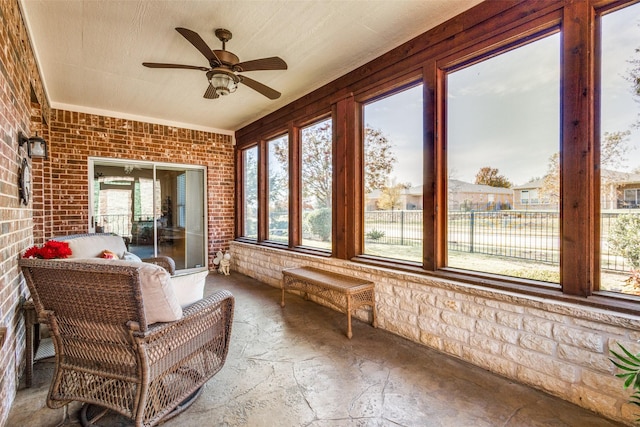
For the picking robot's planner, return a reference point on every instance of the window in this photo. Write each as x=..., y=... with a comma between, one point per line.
x=498, y=170
x=278, y=150
x=631, y=198
x=317, y=184
x=497, y=109
x=393, y=189
x=250, y=174
x=619, y=145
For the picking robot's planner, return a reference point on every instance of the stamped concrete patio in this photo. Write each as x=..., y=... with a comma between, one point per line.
x=295, y=367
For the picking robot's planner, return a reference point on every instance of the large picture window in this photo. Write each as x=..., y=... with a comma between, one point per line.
x=250, y=201
x=393, y=165
x=503, y=148
x=317, y=183
x=278, y=150
x=505, y=154
x=620, y=151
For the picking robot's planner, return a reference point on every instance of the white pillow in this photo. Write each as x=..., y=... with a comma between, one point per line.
x=92, y=246
x=160, y=301
x=189, y=288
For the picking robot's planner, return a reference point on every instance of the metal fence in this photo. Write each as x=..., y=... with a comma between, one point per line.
x=526, y=235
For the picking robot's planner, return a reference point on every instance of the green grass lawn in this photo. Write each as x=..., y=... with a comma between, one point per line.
x=610, y=281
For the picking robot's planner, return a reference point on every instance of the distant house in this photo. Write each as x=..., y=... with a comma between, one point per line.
x=620, y=190
x=462, y=196
x=467, y=196
x=410, y=199
x=528, y=196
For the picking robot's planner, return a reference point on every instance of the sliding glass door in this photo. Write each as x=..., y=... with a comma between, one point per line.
x=159, y=208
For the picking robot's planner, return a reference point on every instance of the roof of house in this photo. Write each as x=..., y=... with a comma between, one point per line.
x=467, y=187
x=454, y=185
x=534, y=183
x=606, y=174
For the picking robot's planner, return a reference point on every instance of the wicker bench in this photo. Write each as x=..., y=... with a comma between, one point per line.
x=344, y=292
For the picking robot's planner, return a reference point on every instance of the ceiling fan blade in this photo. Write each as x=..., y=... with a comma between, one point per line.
x=259, y=87
x=211, y=92
x=186, y=67
x=273, y=63
x=195, y=39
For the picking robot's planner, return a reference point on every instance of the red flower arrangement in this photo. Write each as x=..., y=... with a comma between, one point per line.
x=50, y=250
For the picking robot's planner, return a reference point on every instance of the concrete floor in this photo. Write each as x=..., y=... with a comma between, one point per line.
x=295, y=367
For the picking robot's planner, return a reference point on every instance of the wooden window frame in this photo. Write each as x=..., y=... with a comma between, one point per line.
x=475, y=35
x=267, y=189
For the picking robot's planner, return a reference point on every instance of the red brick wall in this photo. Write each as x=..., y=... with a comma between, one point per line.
x=74, y=137
x=20, y=84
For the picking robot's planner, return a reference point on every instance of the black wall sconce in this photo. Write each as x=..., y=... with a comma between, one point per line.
x=36, y=146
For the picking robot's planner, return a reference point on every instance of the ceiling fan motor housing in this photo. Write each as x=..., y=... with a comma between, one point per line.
x=227, y=58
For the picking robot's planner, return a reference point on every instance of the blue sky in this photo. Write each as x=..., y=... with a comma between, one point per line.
x=504, y=112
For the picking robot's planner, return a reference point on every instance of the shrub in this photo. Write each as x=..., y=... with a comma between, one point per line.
x=375, y=234
x=320, y=223
x=624, y=238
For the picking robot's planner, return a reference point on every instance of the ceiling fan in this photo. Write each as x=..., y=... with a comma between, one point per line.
x=224, y=66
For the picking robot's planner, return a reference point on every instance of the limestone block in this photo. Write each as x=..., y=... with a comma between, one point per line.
x=452, y=332
x=588, y=359
x=537, y=343
x=478, y=311
x=540, y=362
x=490, y=362
x=538, y=326
x=431, y=340
x=448, y=304
x=510, y=320
x=543, y=381
x=486, y=344
x=604, y=383
x=595, y=400
x=498, y=332
x=548, y=315
x=578, y=338
x=458, y=320
x=452, y=347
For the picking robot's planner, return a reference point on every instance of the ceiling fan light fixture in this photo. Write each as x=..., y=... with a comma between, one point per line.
x=223, y=83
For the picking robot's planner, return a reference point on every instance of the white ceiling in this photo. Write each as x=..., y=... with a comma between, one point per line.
x=90, y=51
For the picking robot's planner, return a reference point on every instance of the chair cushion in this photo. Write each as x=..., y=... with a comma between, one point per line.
x=158, y=298
x=92, y=246
x=189, y=287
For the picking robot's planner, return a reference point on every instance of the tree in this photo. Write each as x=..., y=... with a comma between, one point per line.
x=317, y=172
x=378, y=159
x=278, y=176
x=489, y=176
x=390, y=197
x=550, y=189
x=613, y=151
x=634, y=77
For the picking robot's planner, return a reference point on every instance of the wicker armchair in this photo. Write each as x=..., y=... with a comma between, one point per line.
x=106, y=353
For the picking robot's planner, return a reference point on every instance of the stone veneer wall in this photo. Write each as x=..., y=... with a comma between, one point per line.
x=554, y=346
